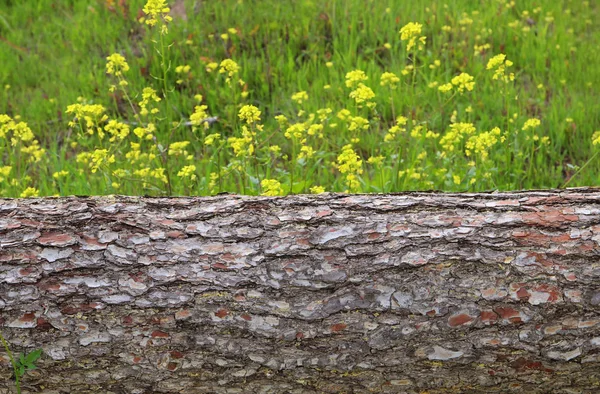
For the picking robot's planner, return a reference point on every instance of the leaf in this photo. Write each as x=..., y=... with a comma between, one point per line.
x=33, y=356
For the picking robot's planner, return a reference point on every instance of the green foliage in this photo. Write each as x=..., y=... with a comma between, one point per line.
x=25, y=362
x=429, y=113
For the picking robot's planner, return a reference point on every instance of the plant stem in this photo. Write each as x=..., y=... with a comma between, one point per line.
x=14, y=364
x=580, y=169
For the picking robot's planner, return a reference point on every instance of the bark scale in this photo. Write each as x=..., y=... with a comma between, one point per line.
x=334, y=293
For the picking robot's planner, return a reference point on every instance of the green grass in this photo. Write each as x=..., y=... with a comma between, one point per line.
x=54, y=54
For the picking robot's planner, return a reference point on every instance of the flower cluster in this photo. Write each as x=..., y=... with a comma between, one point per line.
x=271, y=187
x=389, y=79
x=250, y=114
x=353, y=78
x=157, y=10
x=499, y=64
x=350, y=164
x=411, y=32
x=116, y=65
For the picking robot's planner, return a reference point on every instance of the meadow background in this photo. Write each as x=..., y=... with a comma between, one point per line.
x=279, y=96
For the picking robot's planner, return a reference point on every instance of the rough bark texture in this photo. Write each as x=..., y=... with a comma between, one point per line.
x=414, y=292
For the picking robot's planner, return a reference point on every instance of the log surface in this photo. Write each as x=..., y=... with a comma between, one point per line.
x=334, y=293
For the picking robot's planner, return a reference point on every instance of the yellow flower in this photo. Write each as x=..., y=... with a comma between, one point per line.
x=375, y=160
x=156, y=9
x=481, y=143
x=210, y=139
x=411, y=32
x=4, y=172
x=199, y=116
x=436, y=64
x=353, y=78
x=349, y=163
x=531, y=124
x=183, y=69
x=329, y=64
x=271, y=187
x=358, y=123
x=456, y=179
x=147, y=95
x=455, y=135
x=300, y=97
x=188, y=172
x=596, y=138
x=60, y=174
x=445, y=87
x=362, y=93
x=116, y=64
x=230, y=67
x=495, y=61
x=499, y=63
x=463, y=81
x=30, y=192
x=178, y=148
x=306, y=151
x=118, y=130
x=389, y=79
x=249, y=113
x=317, y=189
x=212, y=66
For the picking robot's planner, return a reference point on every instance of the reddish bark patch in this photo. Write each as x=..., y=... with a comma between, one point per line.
x=510, y=314
x=26, y=271
x=43, y=324
x=136, y=359
x=159, y=334
x=127, y=320
x=49, y=285
x=246, y=317
x=549, y=218
x=172, y=366
x=553, y=291
x=220, y=266
x=56, y=239
x=321, y=214
x=27, y=317
x=93, y=241
x=182, y=314
x=228, y=256
x=523, y=364
x=459, y=319
x=176, y=354
x=488, y=316
x=338, y=327
x=175, y=234
x=523, y=293
x=78, y=308
x=299, y=335
x=221, y=313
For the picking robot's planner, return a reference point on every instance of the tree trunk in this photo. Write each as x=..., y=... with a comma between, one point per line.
x=334, y=293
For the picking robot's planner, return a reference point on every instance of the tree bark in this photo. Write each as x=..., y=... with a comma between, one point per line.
x=334, y=293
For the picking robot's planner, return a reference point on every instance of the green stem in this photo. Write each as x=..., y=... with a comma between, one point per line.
x=580, y=169
x=13, y=362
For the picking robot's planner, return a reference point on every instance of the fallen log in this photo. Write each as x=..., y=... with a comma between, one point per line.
x=334, y=293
